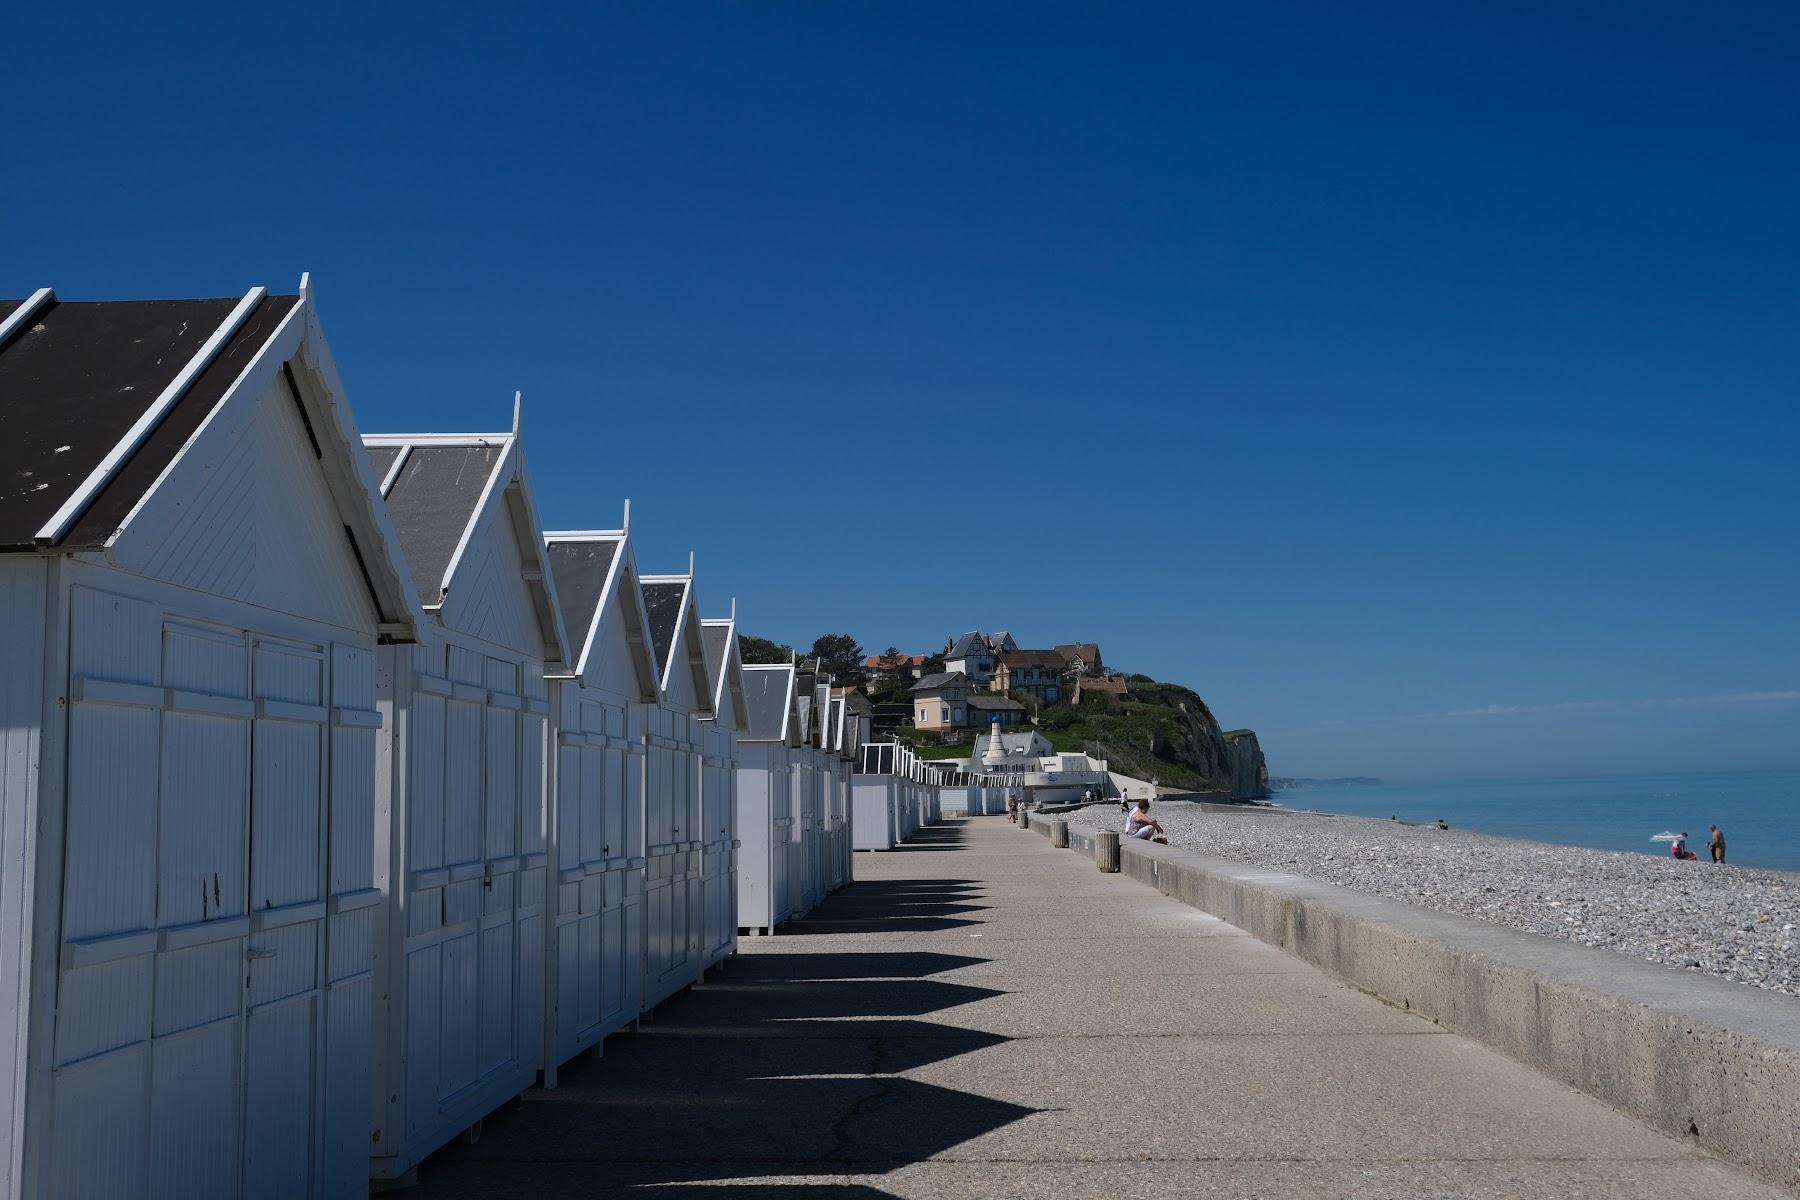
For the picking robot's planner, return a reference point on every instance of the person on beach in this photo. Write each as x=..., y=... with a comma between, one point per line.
x=1140, y=824
x=1717, y=843
x=1441, y=825
x=1678, y=849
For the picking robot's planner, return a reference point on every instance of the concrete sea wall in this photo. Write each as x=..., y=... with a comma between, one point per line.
x=1694, y=1056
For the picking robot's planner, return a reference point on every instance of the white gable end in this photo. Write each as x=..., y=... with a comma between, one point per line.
x=245, y=513
x=489, y=598
x=680, y=694
x=610, y=666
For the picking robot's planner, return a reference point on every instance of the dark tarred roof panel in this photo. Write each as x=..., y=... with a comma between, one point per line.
x=579, y=570
x=73, y=383
x=382, y=459
x=140, y=472
x=431, y=504
x=765, y=696
x=662, y=606
x=715, y=640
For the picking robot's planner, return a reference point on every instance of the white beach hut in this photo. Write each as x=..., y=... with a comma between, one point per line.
x=597, y=820
x=718, y=788
x=803, y=843
x=462, y=794
x=765, y=796
x=824, y=780
x=875, y=800
x=674, y=906
x=837, y=796
x=194, y=578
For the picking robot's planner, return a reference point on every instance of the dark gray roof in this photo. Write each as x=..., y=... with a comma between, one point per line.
x=995, y=704
x=715, y=640
x=1088, y=652
x=579, y=570
x=1031, y=658
x=382, y=459
x=967, y=643
x=77, y=378
x=766, y=696
x=939, y=680
x=432, y=503
x=662, y=608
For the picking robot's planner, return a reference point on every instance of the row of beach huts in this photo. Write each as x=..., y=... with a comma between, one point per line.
x=339, y=801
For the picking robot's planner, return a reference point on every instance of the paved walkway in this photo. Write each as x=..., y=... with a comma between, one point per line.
x=983, y=1016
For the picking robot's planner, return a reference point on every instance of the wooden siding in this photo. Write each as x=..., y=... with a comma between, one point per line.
x=489, y=598
x=22, y=597
x=246, y=514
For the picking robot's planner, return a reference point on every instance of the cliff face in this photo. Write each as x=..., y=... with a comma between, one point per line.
x=1165, y=732
x=1249, y=773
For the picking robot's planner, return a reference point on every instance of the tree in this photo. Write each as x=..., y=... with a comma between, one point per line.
x=762, y=650
x=840, y=655
x=933, y=664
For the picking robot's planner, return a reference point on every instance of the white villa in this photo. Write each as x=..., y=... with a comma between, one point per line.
x=1025, y=758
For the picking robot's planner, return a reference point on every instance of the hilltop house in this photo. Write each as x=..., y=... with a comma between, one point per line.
x=973, y=654
x=1034, y=673
x=1082, y=658
x=1112, y=685
x=987, y=710
x=941, y=701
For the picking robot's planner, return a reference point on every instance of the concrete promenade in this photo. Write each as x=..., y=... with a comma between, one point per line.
x=981, y=1015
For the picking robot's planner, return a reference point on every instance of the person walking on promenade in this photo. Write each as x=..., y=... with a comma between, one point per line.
x=1717, y=842
x=1012, y=806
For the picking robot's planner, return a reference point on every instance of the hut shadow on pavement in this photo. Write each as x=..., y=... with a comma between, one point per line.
x=932, y=837
x=921, y=906
x=778, y=1076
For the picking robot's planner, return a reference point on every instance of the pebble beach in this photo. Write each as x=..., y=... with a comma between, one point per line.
x=1738, y=923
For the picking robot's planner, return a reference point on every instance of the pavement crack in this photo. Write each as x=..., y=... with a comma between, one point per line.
x=884, y=1087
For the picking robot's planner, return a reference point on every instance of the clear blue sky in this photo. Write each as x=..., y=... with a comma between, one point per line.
x=1355, y=366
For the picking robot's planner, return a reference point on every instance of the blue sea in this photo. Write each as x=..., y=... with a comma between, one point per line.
x=1759, y=811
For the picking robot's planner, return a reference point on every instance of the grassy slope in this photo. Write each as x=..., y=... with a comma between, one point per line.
x=1164, y=732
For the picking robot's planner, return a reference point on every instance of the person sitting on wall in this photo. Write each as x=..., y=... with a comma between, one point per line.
x=1140, y=824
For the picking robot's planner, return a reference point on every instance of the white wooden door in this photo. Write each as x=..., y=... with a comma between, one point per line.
x=593, y=856
x=781, y=792
x=474, y=949
x=719, y=804
x=191, y=1015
